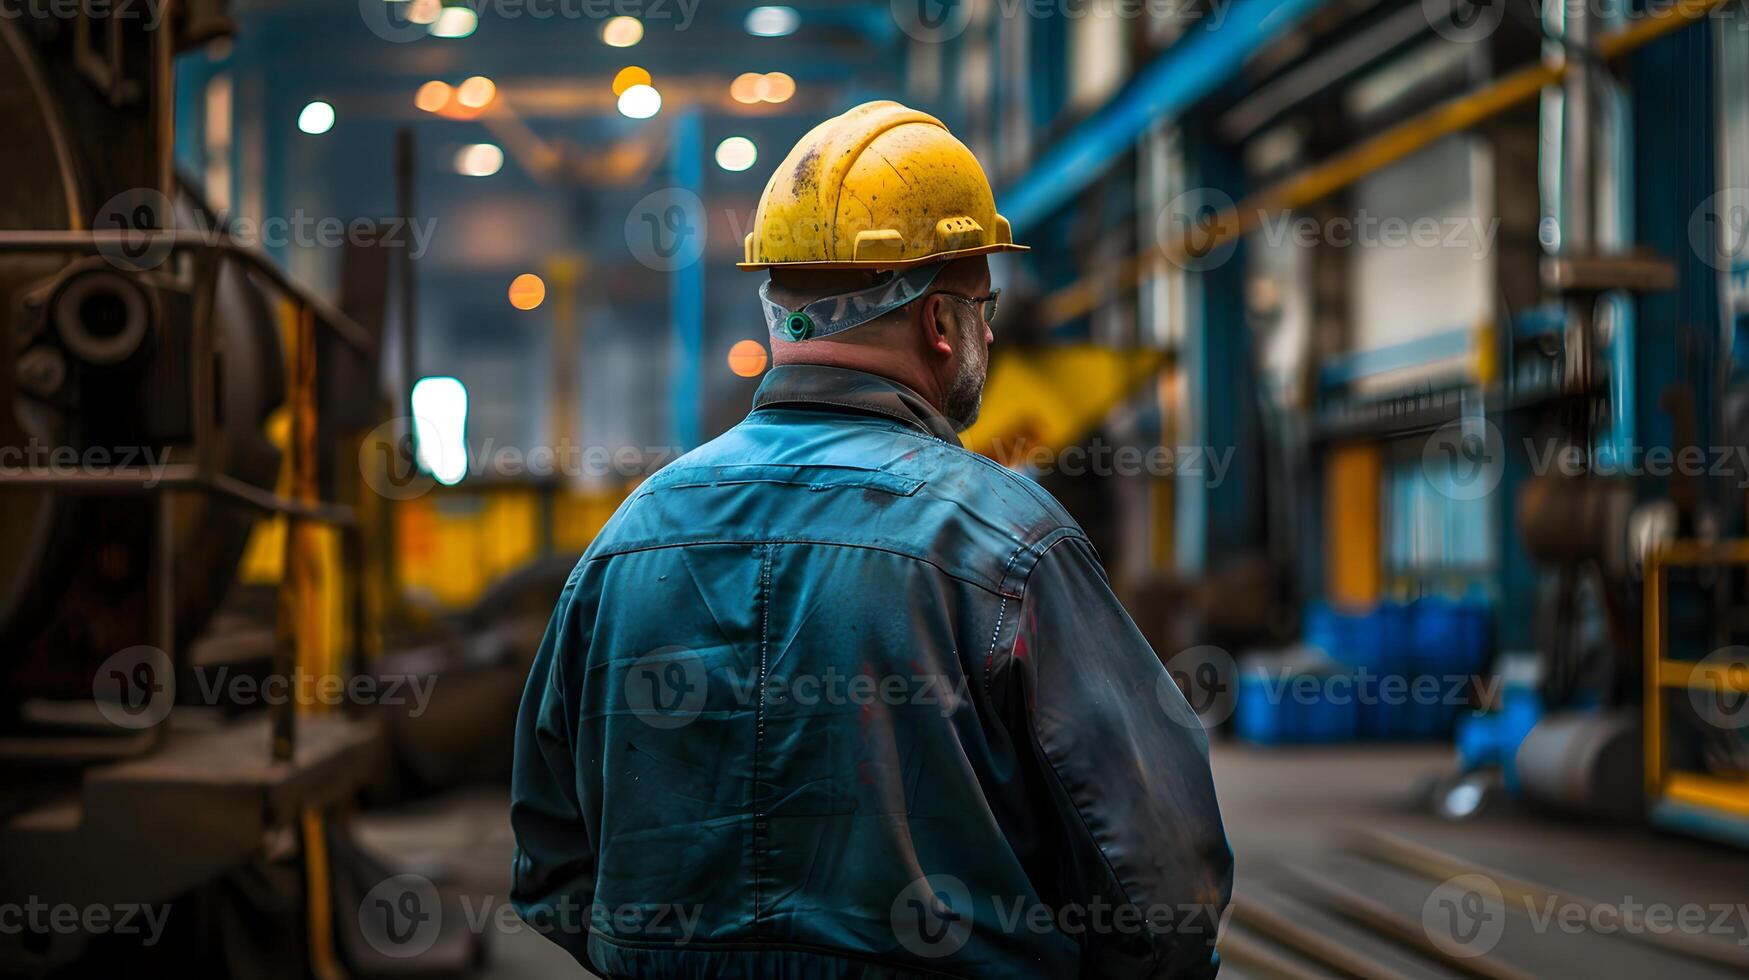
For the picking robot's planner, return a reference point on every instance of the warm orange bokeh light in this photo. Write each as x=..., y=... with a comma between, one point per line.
x=778, y=87
x=745, y=88
x=527, y=291
x=629, y=76
x=477, y=92
x=432, y=96
x=752, y=88
x=747, y=358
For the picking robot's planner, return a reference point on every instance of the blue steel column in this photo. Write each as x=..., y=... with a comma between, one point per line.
x=686, y=295
x=1227, y=519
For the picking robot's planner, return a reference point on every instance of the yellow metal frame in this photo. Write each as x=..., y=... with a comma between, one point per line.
x=1662, y=673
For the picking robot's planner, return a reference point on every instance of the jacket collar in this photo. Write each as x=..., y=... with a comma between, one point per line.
x=819, y=385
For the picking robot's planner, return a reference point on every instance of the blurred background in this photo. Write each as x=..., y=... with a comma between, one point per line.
x=1386, y=349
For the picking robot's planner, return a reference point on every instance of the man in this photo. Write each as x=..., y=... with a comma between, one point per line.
x=832, y=696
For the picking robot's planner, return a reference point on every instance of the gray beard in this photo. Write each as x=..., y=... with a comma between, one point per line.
x=966, y=397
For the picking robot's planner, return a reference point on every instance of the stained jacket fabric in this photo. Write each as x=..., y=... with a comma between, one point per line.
x=833, y=696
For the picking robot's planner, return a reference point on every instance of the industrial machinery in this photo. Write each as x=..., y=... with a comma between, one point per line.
x=165, y=393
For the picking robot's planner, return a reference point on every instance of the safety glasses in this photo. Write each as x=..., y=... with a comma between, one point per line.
x=986, y=305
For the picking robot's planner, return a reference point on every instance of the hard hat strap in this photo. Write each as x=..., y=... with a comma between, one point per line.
x=836, y=314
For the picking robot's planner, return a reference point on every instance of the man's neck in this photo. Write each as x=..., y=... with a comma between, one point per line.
x=893, y=365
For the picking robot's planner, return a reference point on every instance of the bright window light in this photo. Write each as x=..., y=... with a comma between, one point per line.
x=640, y=102
x=316, y=118
x=772, y=21
x=440, y=420
x=736, y=154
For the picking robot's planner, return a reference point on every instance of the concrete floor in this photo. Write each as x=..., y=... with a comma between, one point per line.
x=1290, y=815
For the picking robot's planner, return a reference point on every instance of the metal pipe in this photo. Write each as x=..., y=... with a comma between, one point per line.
x=1578, y=191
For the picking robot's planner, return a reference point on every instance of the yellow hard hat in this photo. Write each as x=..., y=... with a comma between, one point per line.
x=880, y=187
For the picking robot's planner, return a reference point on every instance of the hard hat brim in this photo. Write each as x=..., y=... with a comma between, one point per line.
x=964, y=253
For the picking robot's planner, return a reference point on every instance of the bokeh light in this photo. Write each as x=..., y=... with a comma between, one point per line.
x=736, y=154
x=640, y=102
x=622, y=32
x=479, y=160
x=747, y=358
x=527, y=291
x=433, y=95
x=476, y=92
x=316, y=118
x=629, y=76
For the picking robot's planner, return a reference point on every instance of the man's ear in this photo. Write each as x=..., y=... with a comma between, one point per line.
x=934, y=316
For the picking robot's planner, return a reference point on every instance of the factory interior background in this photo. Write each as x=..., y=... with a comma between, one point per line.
x=1387, y=350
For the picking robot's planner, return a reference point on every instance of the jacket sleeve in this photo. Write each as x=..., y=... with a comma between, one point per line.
x=1124, y=763
x=553, y=870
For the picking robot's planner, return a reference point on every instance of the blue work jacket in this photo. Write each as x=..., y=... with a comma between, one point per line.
x=832, y=696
